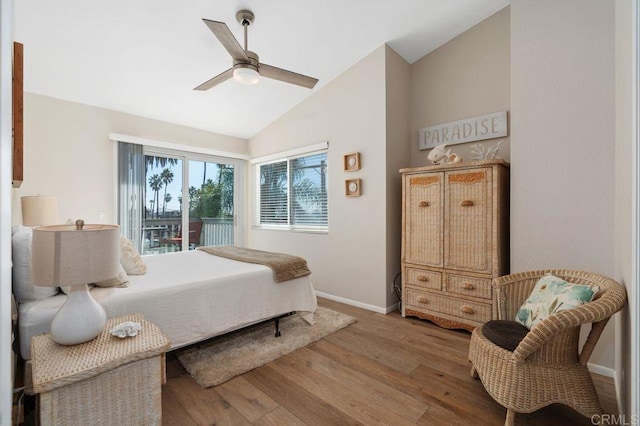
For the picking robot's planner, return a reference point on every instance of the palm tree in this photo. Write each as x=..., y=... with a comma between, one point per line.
x=167, y=177
x=152, y=160
x=155, y=183
x=309, y=198
x=308, y=202
x=273, y=192
x=296, y=196
x=193, y=195
x=167, y=198
x=225, y=183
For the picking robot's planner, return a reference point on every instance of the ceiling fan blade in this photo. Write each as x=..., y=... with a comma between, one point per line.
x=220, y=30
x=287, y=76
x=216, y=80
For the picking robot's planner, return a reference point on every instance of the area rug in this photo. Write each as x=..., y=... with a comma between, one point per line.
x=218, y=360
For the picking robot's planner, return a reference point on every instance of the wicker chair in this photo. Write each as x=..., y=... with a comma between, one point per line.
x=547, y=366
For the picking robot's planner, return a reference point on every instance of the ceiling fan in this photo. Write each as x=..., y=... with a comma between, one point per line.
x=247, y=68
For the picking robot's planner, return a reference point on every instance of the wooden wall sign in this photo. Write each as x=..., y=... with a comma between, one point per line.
x=18, y=135
x=478, y=128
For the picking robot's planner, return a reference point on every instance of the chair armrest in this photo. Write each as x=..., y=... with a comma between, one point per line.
x=511, y=291
x=542, y=333
x=597, y=311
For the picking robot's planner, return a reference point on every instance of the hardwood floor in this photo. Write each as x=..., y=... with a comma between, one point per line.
x=384, y=369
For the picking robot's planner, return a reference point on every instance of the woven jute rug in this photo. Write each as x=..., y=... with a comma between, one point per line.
x=225, y=357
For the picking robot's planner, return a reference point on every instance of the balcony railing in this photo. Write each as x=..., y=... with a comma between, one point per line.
x=215, y=232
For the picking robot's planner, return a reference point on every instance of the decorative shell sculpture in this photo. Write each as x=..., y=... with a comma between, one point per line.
x=126, y=329
x=438, y=155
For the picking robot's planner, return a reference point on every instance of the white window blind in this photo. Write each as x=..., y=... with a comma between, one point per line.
x=309, y=190
x=292, y=192
x=274, y=200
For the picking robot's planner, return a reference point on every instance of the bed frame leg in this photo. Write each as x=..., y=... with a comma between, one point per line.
x=278, y=334
x=277, y=320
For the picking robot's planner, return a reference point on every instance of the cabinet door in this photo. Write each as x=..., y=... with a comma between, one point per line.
x=468, y=209
x=423, y=218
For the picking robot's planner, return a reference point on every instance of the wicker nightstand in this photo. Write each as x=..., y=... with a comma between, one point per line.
x=106, y=381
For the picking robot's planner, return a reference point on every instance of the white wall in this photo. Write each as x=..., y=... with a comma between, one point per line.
x=562, y=140
x=6, y=359
x=398, y=94
x=349, y=112
x=67, y=153
x=466, y=77
x=626, y=26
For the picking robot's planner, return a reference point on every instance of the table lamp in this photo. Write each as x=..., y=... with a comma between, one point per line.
x=38, y=210
x=68, y=255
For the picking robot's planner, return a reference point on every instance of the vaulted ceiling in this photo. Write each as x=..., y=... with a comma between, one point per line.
x=144, y=57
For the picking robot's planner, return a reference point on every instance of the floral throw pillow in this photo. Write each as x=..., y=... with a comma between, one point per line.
x=550, y=295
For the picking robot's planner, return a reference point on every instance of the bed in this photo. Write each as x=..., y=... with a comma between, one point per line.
x=190, y=296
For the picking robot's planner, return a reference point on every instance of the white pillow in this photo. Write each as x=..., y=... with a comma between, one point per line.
x=119, y=280
x=130, y=258
x=66, y=289
x=23, y=288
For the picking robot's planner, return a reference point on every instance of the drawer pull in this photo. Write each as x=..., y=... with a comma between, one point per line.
x=424, y=204
x=467, y=286
x=467, y=310
x=466, y=203
x=422, y=299
x=422, y=278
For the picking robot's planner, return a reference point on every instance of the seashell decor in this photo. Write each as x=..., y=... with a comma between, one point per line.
x=483, y=152
x=438, y=155
x=126, y=329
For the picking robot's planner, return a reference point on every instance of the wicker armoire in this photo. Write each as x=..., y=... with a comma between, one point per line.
x=455, y=240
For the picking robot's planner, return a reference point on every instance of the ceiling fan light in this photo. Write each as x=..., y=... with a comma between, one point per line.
x=246, y=76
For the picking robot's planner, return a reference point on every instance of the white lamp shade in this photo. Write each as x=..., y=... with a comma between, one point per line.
x=38, y=210
x=246, y=75
x=63, y=255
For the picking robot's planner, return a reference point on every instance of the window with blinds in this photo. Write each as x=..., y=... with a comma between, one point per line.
x=292, y=192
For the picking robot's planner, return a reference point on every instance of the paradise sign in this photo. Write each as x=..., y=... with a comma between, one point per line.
x=478, y=128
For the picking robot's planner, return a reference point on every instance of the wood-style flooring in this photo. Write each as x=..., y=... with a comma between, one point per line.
x=384, y=369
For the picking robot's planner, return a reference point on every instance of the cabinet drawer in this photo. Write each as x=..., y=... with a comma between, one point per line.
x=469, y=286
x=471, y=310
x=422, y=278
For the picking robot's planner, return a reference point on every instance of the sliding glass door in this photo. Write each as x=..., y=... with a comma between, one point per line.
x=211, y=201
x=187, y=200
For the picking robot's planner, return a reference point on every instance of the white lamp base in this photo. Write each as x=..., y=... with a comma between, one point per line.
x=79, y=320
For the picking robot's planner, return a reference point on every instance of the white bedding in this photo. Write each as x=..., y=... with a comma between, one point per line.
x=190, y=295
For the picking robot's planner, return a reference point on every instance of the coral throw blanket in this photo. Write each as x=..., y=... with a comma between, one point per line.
x=285, y=266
